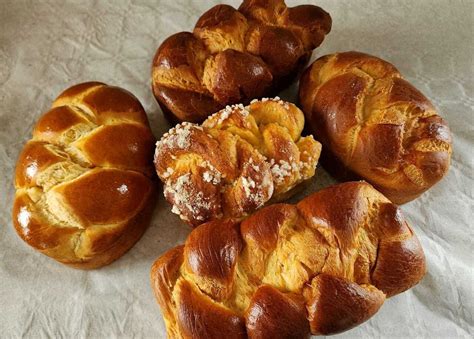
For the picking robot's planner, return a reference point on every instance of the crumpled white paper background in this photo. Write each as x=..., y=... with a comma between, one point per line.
x=48, y=45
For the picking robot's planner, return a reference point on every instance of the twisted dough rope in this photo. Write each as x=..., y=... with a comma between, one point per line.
x=234, y=55
x=321, y=266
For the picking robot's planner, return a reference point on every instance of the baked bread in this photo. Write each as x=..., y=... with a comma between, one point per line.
x=233, y=56
x=239, y=159
x=84, y=182
x=375, y=124
x=321, y=266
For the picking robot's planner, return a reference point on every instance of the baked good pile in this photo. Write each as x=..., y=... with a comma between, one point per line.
x=252, y=267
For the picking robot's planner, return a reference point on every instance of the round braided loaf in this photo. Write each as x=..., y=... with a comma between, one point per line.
x=84, y=189
x=236, y=161
x=376, y=124
x=235, y=55
x=321, y=266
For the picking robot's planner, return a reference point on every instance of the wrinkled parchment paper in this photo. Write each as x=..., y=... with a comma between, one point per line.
x=48, y=45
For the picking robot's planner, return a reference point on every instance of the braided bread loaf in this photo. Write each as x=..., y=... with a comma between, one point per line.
x=238, y=160
x=235, y=55
x=322, y=266
x=375, y=124
x=84, y=192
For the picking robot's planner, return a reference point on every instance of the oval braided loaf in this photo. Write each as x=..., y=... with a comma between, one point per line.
x=84, y=189
x=235, y=55
x=321, y=266
x=376, y=124
x=236, y=161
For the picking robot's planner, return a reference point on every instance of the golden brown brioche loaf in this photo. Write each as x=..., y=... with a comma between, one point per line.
x=236, y=161
x=375, y=124
x=84, y=189
x=234, y=55
x=321, y=266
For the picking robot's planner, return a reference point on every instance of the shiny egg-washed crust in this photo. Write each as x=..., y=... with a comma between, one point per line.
x=375, y=125
x=238, y=160
x=233, y=56
x=84, y=182
x=321, y=266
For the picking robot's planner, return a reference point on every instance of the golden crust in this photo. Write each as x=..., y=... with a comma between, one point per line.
x=236, y=161
x=321, y=266
x=335, y=304
x=375, y=124
x=234, y=56
x=273, y=314
x=84, y=188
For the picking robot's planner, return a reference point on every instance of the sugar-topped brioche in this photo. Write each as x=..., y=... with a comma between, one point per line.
x=236, y=161
x=84, y=188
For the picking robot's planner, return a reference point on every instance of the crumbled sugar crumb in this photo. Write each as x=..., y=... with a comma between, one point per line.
x=281, y=170
x=258, y=197
x=207, y=176
x=182, y=181
x=268, y=184
x=247, y=184
x=225, y=113
x=177, y=137
x=284, y=169
x=155, y=155
x=212, y=174
x=186, y=198
x=168, y=173
x=257, y=186
x=276, y=99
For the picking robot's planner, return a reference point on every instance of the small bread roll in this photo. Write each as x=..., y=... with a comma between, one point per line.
x=237, y=161
x=375, y=125
x=84, y=188
x=235, y=55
